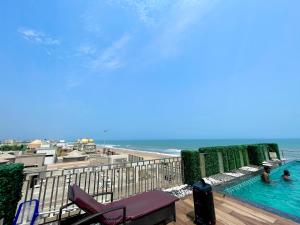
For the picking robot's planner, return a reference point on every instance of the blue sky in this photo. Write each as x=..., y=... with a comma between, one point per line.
x=150, y=69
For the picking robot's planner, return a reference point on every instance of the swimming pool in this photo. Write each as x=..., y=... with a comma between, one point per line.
x=278, y=196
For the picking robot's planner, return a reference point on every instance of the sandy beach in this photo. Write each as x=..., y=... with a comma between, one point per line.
x=138, y=153
x=144, y=154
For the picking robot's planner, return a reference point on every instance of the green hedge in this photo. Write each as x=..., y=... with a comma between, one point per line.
x=211, y=162
x=225, y=160
x=11, y=181
x=243, y=150
x=237, y=158
x=231, y=155
x=256, y=154
x=21, y=147
x=274, y=148
x=245, y=155
x=191, y=166
x=231, y=158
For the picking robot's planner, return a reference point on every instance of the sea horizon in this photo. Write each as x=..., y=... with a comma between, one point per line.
x=289, y=147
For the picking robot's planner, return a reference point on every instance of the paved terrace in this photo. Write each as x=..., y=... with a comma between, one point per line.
x=228, y=212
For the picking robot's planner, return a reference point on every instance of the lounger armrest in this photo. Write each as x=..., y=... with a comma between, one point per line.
x=106, y=193
x=61, y=209
x=88, y=218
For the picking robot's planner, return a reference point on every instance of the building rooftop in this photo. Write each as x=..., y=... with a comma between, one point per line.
x=7, y=156
x=74, y=153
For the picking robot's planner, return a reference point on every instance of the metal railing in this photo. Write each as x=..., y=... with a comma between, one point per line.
x=126, y=179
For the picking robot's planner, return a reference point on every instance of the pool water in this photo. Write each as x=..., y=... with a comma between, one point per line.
x=279, y=194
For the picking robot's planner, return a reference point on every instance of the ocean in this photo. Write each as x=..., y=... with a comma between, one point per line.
x=290, y=148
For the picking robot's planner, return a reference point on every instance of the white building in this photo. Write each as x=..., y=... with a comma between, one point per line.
x=62, y=144
x=50, y=154
x=86, y=145
x=45, y=144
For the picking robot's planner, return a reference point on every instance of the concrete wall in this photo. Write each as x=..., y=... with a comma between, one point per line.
x=118, y=159
x=74, y=159
x=50, y=155
x=36, y=160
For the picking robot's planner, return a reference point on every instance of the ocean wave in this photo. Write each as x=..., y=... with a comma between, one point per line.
x=173, y=150
x=171, y=154
x=108, y=146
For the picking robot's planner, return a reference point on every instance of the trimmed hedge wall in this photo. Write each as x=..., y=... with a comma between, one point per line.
x=11, y=181
x=256, y=154
x=190, y=166
x=274, y=148
x=251, y=154
x=211, y=162
x=245, y=155
x=243, y=150
x=231, y=158
x=225, y=160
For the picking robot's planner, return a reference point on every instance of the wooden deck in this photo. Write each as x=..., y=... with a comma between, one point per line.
x=229, y=212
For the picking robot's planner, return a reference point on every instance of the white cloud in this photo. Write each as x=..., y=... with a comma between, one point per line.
x=172, y=21
x=111, y=57
x=37, y=36
x=178, y=24
x=92, y=22
x=72, y=82
x=86, y=49
x=146, y=10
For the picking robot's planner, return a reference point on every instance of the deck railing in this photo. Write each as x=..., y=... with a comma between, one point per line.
x=126, y=179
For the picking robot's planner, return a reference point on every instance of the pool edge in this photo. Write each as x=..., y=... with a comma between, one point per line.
x=221, y=188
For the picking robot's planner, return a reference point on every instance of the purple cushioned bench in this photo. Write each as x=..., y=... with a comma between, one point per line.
x=147, y=208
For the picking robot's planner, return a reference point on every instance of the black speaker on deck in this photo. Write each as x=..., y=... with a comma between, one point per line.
x=203, y=204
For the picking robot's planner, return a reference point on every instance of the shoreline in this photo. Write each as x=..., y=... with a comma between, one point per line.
x=139, y=153
x=285, y=152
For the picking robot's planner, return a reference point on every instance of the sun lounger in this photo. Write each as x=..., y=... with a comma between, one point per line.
x=274, y=161
x=147, y=208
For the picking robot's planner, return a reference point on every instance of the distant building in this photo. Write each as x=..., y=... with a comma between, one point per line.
x=8, y=157
x=62, y=144
x=3, y=161
x=50, y=153
x=63, y=148
x=31, y=160
x=63, y=151
x=86, y=145
x=89, y=148
x=46, y=144
x=116, y=159
x=9, y=142
x=35, y=144
x=74, y=156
